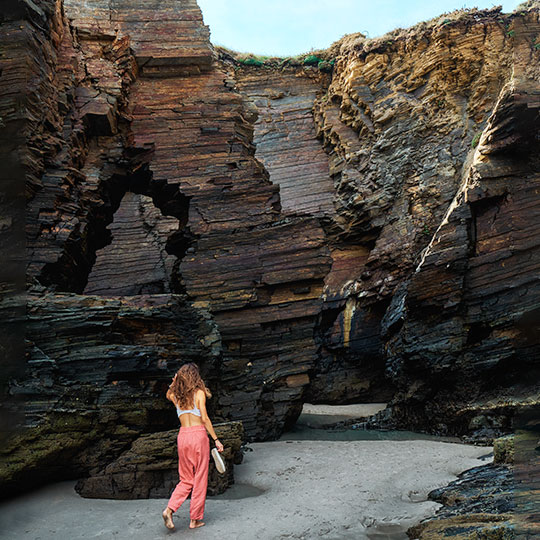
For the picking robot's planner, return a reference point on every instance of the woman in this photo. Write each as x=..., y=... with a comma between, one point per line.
x=188, y=393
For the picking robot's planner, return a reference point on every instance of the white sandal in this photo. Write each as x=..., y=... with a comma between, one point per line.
x=220, y=464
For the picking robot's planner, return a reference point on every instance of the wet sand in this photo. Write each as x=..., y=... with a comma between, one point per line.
x=332, y=489
x=320, y=415
x=357, y=410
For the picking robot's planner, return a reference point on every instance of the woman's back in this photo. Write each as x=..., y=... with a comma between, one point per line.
x=190, y=417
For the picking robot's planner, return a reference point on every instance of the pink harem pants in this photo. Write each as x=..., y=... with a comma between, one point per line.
x=193, y=459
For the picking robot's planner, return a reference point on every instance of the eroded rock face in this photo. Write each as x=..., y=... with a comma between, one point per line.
x=285, y=136
x=401, y=121
x=258, y=270
x=97, y=363
x=136, y=261
x=348, y=364
x=96, y=375
x=397, y=121
x=497, y=500
x=302, y=235
x=469, y=315
x=149, y=468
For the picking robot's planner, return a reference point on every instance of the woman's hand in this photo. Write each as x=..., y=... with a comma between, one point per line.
x=219, y=446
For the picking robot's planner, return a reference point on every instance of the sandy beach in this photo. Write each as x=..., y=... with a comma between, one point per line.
x=302, y=489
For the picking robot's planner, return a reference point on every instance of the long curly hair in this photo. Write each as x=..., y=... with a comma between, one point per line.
x=186, y=381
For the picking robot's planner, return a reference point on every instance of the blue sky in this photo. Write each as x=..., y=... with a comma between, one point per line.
x=289, y=27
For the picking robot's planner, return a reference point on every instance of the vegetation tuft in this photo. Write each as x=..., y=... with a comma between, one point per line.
x=250, y=61
x=311, y=60
x=321, y=61
x=326, y=66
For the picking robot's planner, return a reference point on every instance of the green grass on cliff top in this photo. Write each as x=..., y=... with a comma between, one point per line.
x=319, y=58
x=325, y=58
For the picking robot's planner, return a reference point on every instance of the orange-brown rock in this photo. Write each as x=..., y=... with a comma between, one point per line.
x=405, y=119
x=472, y=303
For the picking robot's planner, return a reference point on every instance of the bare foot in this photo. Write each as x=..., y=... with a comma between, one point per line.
x=167, y=518
x=195, y=524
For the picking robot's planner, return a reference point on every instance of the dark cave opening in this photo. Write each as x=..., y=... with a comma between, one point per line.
x=70, y=272
x=350, y=368
x=478, y=332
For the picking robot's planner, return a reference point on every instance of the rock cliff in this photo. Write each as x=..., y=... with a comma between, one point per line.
x=357, y=224
x=438, y=153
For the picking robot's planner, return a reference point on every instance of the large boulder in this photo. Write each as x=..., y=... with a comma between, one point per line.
x=149, y=468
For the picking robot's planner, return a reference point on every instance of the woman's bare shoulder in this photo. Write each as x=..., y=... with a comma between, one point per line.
x=199, y=397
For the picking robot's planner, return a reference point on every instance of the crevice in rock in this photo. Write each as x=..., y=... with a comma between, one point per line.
x=70, y=272
x=144, y=263
x=486, y=209
x=478, y=332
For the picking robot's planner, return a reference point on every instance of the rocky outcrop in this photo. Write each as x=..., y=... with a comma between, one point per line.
x=469, y=313
x=259, y=271
x=404, y=120
x=284, y=135
x=498, y=500
x=149, y=468
x=29, y=37
x=167, y=37
x=108, y=317
x=95, y=368
x=95, y=380
x=348, y=363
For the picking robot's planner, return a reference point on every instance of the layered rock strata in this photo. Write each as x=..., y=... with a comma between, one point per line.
x=93, y=355
x=167, y=37
x=258, y=271
x=149, y=468
x=348, y=364
x=285, y=137
x=95, y=380
x=403, y=121
x=29, y=37
x=498, y=500
x=136, y=261
x=469, y=314
x=95, y=371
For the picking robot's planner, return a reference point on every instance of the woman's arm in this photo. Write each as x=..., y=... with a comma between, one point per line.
x=170, y=395
x=201, y=399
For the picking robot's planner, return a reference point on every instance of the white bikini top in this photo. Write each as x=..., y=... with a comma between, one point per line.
x=194, y=411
